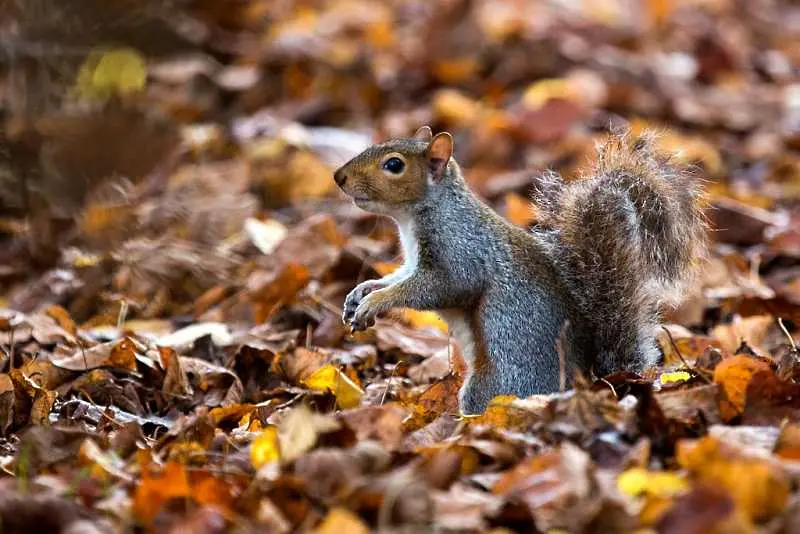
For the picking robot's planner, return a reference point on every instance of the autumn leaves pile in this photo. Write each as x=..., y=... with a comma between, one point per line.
x=173, y=260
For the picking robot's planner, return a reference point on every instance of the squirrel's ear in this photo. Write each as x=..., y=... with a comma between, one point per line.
x=440, y=150
x=424, y=134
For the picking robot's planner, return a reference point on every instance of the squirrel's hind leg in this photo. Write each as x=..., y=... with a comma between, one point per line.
x=476, y=393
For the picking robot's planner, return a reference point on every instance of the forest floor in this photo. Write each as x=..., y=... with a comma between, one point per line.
x=174, y=256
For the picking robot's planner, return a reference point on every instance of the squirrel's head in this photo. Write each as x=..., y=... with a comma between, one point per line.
x=396, y=173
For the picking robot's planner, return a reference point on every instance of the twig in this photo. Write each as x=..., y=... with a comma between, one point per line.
x=123, y=313
x=788, y=335
x=611, y=387
x=83, y=353
x=10, y=352
x=325, y=304
x=389, y=383
x=107, y=417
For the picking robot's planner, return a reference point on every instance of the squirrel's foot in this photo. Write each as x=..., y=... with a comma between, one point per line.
x=463, y=417
x=370, y=307
x=354, y=300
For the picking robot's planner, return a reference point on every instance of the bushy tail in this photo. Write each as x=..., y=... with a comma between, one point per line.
x=628, y=239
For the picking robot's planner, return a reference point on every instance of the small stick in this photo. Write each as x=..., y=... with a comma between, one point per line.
x=123, y=313
x=389, y=383
x=785, y=331
x=83, y=353
x=611, y=387
x=11, y=349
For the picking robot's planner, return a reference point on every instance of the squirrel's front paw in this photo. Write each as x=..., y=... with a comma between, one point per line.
x=367, y=310
x=354, y=299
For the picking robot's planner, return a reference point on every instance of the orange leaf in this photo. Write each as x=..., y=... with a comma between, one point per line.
x=210, y=491
x=341, y=521
x=733, y=374
x=759, y=490
x=519, y=210
x=155, y=489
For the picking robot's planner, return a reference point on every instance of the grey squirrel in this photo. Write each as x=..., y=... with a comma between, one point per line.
x=608, y=251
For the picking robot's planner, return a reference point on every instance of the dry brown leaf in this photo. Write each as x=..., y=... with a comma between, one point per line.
x=299, y=429
x=549, y=484
x=175, y=380
x=115, y=354
x=6, y=403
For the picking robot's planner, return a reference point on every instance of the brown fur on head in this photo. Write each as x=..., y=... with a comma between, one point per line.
x=398, y=172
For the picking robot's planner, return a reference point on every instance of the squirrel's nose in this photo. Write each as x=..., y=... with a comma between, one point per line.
x=339, y=177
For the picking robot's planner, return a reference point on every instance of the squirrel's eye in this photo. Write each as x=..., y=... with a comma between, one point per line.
x=394, y=165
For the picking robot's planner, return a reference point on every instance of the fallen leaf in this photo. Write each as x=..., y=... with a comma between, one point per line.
x=733, y=374
x=156, y=488
x=638, y=481
x=42, y=406
x=422, y=319
x=707, y=509
x=519, y=210
x=175, y=380
x=757, y=487
x=265, y=448
x=117, y=354
x=299, y=429
x=549, y=484
x=265, y=235
x=329, y=379
x=676, y=376
x=6, y=403
x=341, y=521
x=109, y=72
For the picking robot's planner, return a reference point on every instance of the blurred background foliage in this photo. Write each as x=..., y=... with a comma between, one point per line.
x=126, y=120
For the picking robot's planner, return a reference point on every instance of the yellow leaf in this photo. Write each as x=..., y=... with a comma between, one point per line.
x=503, y=413
x=265, y=448
x=329, y=379
x=341, y=521
x=455, y=108
x=108, y=72
x=677, y=376
x=425, y=319
x=86, y=260
x=637, y=481
x=385, y=267
x=537, y=94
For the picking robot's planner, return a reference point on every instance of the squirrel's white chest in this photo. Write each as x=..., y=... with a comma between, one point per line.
x=409, y=243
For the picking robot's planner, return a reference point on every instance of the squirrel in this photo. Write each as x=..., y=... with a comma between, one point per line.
x=580, y=292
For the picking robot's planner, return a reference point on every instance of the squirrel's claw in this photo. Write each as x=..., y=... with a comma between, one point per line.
x=364, y=317
x=352, y=303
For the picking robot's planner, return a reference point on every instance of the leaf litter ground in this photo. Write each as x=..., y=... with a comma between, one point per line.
x=175, y=257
